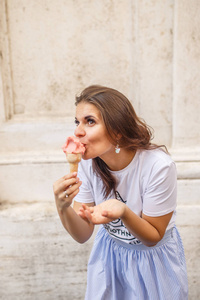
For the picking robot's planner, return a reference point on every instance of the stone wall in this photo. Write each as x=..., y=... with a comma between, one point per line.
x=49, y=51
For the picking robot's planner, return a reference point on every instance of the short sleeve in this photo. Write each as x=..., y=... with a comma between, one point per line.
x=85, y=194
x=160, y=193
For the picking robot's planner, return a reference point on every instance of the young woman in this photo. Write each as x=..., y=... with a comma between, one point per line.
x=128, y=185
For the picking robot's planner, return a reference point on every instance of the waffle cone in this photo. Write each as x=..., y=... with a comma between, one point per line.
x=73, y=160
x=73, y=167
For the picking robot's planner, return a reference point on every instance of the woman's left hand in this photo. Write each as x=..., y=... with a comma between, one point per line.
x=103, y=213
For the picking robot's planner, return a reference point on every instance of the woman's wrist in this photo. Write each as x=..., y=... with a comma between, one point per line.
x=124, y=211
x=63, y=208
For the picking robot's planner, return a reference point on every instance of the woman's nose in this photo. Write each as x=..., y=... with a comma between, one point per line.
x=79, y=131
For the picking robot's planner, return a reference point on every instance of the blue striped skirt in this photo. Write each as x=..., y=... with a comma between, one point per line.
x=119, y=271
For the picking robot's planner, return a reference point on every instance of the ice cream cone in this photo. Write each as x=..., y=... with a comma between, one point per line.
x=73, y=160
x=73, y=149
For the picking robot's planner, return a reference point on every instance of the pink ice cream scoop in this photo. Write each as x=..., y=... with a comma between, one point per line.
x=74, y=150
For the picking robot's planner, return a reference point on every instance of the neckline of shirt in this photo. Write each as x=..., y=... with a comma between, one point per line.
x=127, y=167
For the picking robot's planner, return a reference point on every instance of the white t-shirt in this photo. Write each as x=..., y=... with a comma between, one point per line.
x=148, y=184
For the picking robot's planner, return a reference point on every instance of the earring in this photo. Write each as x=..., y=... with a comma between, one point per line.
x=117, y=149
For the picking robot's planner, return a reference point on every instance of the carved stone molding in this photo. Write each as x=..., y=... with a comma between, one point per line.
x=6, y=89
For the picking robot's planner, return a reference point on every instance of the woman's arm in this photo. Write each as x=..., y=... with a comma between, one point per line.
x=149, y=230
x=80, y=229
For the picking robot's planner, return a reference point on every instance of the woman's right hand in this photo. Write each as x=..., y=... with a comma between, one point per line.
x=65, y=189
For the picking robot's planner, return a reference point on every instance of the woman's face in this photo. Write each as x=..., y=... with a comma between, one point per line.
x=92, y=132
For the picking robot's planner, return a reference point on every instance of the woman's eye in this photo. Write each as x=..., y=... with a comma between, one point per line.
x=90, y=121
x=76, y=122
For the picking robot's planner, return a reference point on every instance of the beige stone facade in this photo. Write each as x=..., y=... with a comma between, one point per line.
x=49, y=51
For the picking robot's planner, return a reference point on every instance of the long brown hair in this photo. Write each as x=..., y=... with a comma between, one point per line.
x=119, y=117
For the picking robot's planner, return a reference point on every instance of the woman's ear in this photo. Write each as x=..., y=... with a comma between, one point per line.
x=118, y=136
x=115, y=137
